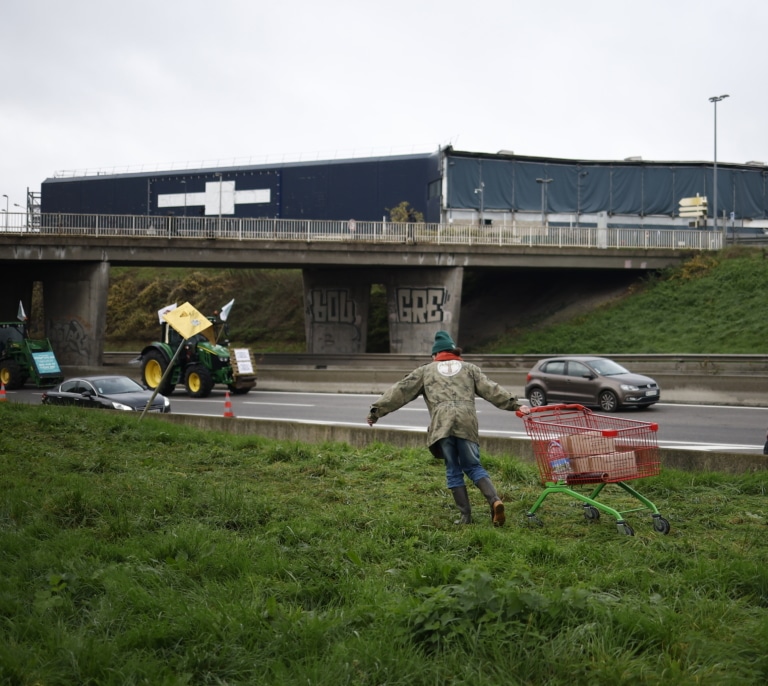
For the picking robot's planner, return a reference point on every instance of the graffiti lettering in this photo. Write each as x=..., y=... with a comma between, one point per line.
x=331, y=306
x=70, y=341
x=421, y=305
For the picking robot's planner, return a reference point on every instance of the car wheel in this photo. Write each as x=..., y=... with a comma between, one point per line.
x=537, y=397
x=608, y=401
x=152, y=369
x=199, y=382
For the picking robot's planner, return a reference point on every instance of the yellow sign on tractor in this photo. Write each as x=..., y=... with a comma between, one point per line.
x=188, y=322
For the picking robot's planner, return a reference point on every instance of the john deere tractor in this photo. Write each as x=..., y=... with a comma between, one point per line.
x=199, y=364
x=23, y=359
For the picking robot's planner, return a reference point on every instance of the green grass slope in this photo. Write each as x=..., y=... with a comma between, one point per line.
x=145, y=552
x=716, y=304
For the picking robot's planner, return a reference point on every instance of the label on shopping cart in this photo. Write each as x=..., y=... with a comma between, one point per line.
x=559, y=464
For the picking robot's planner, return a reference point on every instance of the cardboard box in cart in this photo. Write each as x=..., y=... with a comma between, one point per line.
x=593, y=453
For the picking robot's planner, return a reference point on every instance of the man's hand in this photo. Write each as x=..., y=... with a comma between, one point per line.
x=523, y=409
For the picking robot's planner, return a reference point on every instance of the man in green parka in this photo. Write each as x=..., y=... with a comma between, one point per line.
x=449, y=385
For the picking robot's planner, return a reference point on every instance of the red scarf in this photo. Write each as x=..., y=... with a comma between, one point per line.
x=446, y=355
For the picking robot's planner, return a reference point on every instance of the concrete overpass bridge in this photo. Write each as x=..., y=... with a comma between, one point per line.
x=421, y=266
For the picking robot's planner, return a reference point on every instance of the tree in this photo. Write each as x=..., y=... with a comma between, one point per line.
x=404, y=213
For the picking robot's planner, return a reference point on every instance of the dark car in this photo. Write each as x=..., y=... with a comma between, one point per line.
x=107, y=392
x=588, y=380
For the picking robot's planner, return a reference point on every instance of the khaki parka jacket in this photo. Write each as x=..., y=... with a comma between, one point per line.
x=449, y=388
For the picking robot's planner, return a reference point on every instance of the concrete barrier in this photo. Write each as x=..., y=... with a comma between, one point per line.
x=360, y=437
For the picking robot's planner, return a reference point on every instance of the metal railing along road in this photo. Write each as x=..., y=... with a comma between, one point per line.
x=699, y=366
x=307, y=230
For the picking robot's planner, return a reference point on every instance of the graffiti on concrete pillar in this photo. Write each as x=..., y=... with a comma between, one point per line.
x=70, y=339
x=421, y=305
x=331, y=306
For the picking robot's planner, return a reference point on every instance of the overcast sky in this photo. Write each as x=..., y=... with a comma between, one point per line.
x=134, y=85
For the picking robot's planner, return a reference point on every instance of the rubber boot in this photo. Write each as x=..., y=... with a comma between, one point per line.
x=497, y=507
x=461, y=497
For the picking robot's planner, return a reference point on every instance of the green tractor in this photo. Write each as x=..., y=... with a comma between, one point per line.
x=199, y=364
x=23, y=358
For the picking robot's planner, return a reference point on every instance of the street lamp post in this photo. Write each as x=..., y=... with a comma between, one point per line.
x=714, y=100
x=7, y=202
x=581, y=175
x=544, y=192
x=481, y=192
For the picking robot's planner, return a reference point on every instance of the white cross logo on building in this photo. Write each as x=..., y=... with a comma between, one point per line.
x=220, y=197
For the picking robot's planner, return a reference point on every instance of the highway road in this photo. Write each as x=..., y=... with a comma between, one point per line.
x=702, y=427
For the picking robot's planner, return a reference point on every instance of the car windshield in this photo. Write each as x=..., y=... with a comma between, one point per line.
x=118, y=384
x=607, y=367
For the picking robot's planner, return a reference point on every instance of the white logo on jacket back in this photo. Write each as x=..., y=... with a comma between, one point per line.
x=449, y=367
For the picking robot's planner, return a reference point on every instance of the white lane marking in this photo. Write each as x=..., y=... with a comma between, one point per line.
x=254, y=402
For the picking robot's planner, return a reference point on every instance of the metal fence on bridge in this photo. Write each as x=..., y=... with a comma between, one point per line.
x=305, y=230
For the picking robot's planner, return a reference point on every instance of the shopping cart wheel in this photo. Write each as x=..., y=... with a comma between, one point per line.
x=625, y=528
x=533, y=520
x=591, y=512
x=660, y=524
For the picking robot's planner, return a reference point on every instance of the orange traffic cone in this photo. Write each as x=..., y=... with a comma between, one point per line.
x=228, y=406
x=3, y=398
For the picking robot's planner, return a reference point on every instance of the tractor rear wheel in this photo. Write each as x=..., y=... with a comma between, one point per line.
x=199, y=382
x=11, y=375
x=153, y=367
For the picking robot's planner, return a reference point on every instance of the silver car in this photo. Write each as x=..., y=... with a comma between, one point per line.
x=590, y=381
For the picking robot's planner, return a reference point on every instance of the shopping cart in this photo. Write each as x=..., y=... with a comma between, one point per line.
x=575, y=447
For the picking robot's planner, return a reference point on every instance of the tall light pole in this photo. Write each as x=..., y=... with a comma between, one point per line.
x=544, y=191
x=581, y=175
x=714, y=100
x=481, y=192
x=7, y=202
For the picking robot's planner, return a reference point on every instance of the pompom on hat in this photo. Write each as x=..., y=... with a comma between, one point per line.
x=443, y=342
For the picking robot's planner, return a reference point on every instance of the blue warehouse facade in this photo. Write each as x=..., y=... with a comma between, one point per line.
x=362, y=189
x=446, y=186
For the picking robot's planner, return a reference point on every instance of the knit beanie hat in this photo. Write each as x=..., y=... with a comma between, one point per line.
x=443, y=342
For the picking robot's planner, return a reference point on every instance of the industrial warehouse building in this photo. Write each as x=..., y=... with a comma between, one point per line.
x=446, y=186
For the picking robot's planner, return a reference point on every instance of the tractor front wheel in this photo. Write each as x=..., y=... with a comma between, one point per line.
x=11, y=375
x=199, y=382
x=153, y=368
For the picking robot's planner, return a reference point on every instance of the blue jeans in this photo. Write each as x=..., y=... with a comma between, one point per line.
x=461, y=457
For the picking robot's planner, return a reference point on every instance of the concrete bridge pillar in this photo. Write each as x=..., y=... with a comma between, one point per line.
x=336, y=304
x=421, y=302
x=75, y=304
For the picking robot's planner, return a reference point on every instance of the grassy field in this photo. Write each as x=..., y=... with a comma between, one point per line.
x=149, y=553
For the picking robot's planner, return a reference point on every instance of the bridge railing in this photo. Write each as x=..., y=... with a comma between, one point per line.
x=308, y=230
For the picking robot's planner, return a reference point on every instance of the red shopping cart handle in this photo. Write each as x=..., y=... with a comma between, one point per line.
x=554, y=408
